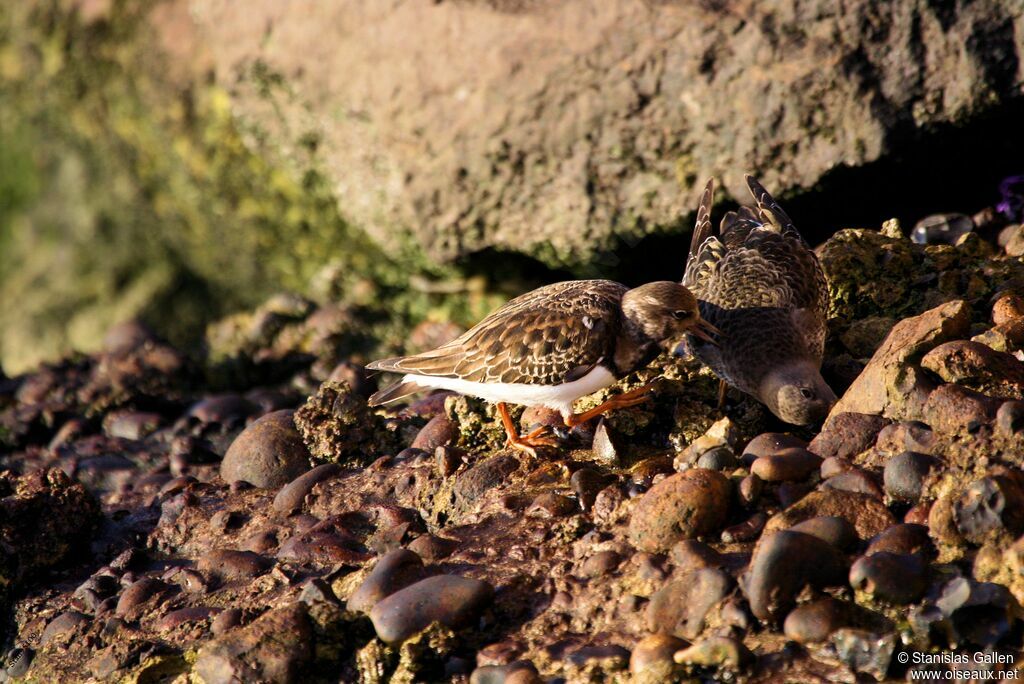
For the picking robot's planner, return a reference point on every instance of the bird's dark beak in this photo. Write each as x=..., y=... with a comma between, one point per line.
x=704, y=330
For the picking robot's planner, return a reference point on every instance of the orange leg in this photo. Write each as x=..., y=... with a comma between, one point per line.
x=722, y=387
x=624, y=400
x=528, y=443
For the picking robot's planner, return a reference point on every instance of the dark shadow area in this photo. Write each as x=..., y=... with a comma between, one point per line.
x=951, y=169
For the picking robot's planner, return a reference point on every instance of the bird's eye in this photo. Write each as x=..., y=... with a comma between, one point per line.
x=807, y=394
x=681, y=315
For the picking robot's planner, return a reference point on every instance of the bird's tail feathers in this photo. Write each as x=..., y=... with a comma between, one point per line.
x=400, y=390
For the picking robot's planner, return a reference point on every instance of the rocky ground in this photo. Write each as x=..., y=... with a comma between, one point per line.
x=246, y=517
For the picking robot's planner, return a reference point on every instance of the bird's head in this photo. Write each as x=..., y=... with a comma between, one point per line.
x=797, y=393
x=664, y=311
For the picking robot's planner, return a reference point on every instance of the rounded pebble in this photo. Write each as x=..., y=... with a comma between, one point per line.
x=814, y=622
x=395, y=570
x=897, y=578
x=904, y=475
x=682, y=506
x=439, y=431
x=228, y=564
x=783, y=564
x=449, y=599
x=903, y=539
x=267, y=454
x=293, y=495
x=838, y=532
x=654, y=654
x=788, y=465
x=770, y=443
x=141, y=591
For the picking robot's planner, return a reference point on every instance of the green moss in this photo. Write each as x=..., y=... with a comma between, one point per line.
x=128, y=193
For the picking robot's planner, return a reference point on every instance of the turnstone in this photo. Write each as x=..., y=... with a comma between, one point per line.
x=762, y=286
x=551, y=346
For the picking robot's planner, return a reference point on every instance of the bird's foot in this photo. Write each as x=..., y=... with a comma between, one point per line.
x=542, y=437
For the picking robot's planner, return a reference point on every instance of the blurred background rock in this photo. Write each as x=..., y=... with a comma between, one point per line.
x=177, y=161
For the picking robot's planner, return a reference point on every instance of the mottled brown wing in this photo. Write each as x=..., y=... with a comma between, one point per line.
x=771, y=213
x=705, y=247
x=548, y=336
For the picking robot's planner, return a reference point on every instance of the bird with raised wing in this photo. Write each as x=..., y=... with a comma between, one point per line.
x=552, y=346
x=762, y=286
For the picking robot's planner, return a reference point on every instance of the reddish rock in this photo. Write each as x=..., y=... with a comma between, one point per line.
x=682, y=506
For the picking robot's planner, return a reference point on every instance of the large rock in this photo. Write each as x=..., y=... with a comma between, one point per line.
x=549, y=127
x=893, y=384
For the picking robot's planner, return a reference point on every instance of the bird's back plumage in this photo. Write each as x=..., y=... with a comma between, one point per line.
x=761, y=285
x=549, y=336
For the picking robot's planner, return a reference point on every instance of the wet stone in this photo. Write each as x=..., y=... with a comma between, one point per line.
x=586, y=483
x=439, y=431
x=600, y=564
x=788, y=465
x=718, y=458
x=1010, y=418
x=989, y=506
x=228, y=564
x=681, y=606
x=431, y=548
x=864, y=651
x=226, y=621
x=905, y=538
x=906, y=473
x=449, y=599
x=857, y=481
x=184, y=616
x=749, y=490
x=516, y=672
x=847, y=434
x=717, y=651
x=956, y=409
x=834, y=465
x=768, y=443
x=481, y=478
x=682, y=506
x=783, y=564
x=268, y=454
x=690, y=555
x=748, y=530
x=133, y=599
x=868, y=515
x=63, y=626
x=814, y=622
x=653, y=654
x=941, y=229
x=552, y=505
x=293, y=495
x=394, y=570
x=896, y=578
x=836, y=530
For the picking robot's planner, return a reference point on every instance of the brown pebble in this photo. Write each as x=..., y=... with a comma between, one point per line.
x=814, y=622
x=449, y=599
x=654, y=653
x=431, y=548
x=1008, y=307
x=834, y=465
x=226, y=620
x=394, y=570
x=788, y=465
x=267, y=454
x=229, y=564
x=439, y=431
x=130, y=602
x=770, y=443
x=855, y=480
x=600, y=564
x=293, y=495
x=184, y=616
x=683, y=506
x=552, y=505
